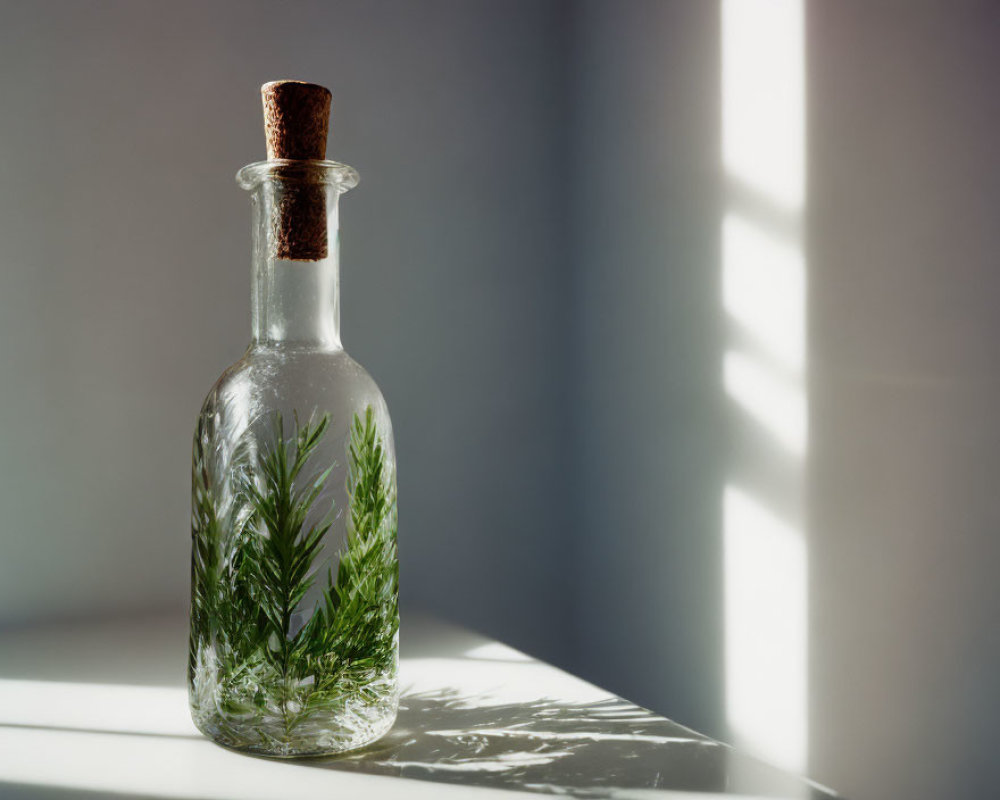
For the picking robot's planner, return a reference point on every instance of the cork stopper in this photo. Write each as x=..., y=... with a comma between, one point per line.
x=296, y=124
x=296, y=119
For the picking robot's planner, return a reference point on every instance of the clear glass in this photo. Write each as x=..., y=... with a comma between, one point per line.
x=294, y=610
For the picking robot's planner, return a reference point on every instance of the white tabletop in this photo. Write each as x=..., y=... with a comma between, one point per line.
x=101, y=710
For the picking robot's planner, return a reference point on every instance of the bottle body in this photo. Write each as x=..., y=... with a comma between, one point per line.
x=294, y=611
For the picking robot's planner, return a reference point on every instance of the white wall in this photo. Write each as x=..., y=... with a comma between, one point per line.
x=905, y=287
x=903, y=456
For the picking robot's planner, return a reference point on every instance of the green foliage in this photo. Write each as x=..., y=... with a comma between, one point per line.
x=279, y=556
x=254, y=560
x=205, y=535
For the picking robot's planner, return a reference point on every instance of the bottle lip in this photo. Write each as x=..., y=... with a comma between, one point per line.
x=333, y=173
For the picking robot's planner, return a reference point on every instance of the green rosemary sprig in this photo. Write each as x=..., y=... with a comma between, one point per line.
x=205, y=537
x=254, y=562
x=353, y=629
x=282, y=550
x=368, y=575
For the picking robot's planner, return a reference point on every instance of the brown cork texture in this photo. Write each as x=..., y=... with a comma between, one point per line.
x=296, y=124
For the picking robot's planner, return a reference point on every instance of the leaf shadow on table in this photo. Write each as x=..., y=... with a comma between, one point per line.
x=597, y=749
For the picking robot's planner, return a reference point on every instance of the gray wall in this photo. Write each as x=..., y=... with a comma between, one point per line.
x=124, y=288
x=648, y=409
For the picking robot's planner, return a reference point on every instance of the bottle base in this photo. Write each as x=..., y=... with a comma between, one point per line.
x=329, y=737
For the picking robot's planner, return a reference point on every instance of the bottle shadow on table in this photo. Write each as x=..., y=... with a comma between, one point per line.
x=596, y=749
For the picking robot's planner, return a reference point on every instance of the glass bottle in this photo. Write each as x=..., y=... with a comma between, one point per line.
x=294, y=613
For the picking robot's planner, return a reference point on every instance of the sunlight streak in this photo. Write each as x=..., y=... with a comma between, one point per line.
x=96, y=707
x=496, y=651
x=763, y=96
x=779, y=408
x=764, y=288
x=171, y=767
x=764, y=291
x=765, y=566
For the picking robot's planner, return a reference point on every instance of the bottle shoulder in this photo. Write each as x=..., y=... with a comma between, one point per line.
x=262, y=366
x=300, y=381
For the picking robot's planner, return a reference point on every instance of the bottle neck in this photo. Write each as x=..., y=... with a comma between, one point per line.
x=294, y=303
